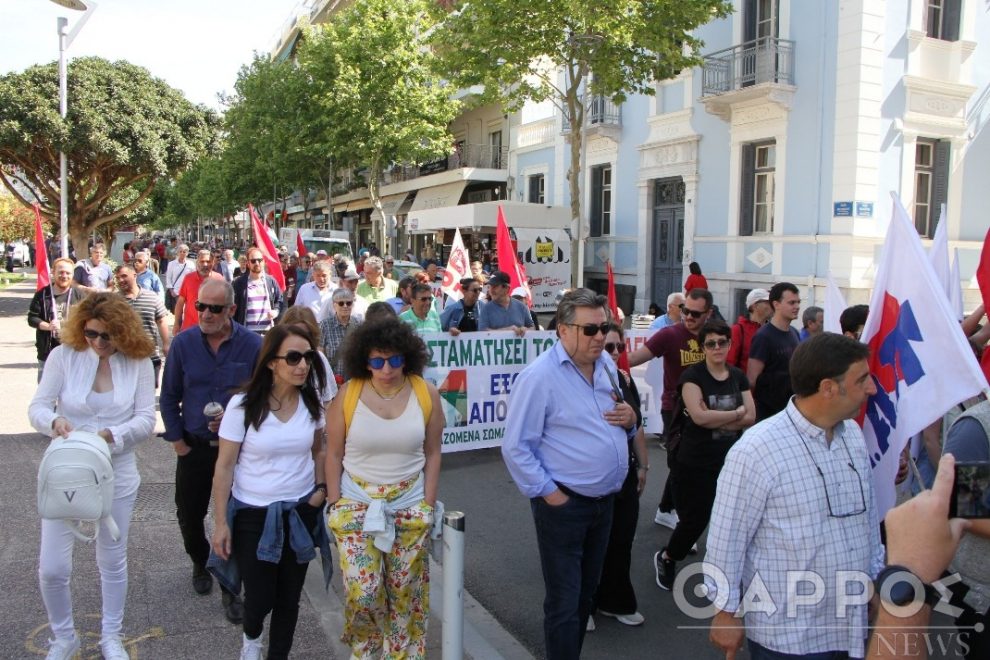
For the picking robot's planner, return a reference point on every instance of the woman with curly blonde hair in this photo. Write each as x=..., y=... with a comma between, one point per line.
x=100, y=379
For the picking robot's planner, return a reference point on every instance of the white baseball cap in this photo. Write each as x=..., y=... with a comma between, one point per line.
x=755, y=296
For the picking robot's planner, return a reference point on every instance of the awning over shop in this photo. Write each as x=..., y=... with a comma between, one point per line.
x=390, y=205
x=482, y=217
x=435, y=197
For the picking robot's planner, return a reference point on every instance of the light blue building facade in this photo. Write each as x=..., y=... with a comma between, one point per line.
x=775, y=159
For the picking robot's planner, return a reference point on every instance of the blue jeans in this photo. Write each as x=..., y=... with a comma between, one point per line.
x=757, y=652
x=572, y=539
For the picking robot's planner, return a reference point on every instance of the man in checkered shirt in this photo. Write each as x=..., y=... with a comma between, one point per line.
x=794, y=538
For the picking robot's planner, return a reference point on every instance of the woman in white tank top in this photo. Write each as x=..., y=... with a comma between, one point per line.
x=383, y=465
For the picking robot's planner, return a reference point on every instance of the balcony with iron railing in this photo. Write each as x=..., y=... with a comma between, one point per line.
x=758, y=69
x=602, y=112
x=482, y=156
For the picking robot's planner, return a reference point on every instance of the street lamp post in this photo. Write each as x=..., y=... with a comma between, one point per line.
x=65, y=40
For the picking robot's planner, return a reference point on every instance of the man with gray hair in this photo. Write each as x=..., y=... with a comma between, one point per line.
x=316, y=293
x=177, y=268
x=338, y=324
x=376, y=287
x=555, y=405
x=813, y=320
x=146, y=278
x=673, y=316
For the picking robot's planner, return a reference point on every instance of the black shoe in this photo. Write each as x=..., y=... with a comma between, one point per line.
x=665, y=570
x=233, y=607
x=202, y=580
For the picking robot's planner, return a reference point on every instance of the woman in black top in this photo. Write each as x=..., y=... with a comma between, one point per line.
x=718, y=405
x=616, y=597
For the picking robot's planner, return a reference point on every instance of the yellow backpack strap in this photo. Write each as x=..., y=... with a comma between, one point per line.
x=423, y=395
x=351, y=396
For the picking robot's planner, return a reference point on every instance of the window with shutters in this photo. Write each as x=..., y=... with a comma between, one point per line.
x=756, y=208
x=931, y=184
x=537, y=189
x=942, y=19
x=601, y=200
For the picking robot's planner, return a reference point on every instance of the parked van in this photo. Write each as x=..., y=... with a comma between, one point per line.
x=330, y=240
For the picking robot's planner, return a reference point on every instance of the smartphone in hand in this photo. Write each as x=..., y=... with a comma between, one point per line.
x=971, y=490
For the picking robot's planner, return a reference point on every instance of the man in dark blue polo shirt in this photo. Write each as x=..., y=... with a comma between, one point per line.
x=205, y=364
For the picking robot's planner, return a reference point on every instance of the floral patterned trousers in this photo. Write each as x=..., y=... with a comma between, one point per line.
x=387, y=601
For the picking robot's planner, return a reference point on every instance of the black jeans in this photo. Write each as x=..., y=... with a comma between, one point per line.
x=270, y=587
x=667, y=497
x=615, y=590
x=572, y=539
x=193, y=486
x=694, y=496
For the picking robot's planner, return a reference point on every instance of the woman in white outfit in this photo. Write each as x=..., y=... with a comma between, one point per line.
x=99, y=380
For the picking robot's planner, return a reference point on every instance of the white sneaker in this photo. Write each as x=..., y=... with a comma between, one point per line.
x=113, y=649
x=590, y=626
x=693, y=550
x=63, y=649
x=251, y=650
x=634, y=619
x=666, y=519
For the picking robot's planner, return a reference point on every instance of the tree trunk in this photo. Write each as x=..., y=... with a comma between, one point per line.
x=79, y=237
x=575, y=107
x=377, y=226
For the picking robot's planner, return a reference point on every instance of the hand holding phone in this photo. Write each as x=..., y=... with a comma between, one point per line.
x=971, y=490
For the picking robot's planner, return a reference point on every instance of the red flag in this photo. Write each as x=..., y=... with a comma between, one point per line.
x=613, y=305
x=983, y=273
x=507, y=259
x=300, y=246
x=264, y=243
x=40, y=253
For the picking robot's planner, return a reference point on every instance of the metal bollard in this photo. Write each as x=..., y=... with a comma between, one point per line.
x=452, y=643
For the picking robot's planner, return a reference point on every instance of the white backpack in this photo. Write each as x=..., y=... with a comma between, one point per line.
x=75, y=483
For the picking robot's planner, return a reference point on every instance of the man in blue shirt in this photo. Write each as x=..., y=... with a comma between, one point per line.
x=503, y=313
x=673, y=316
x=566, y=447
x=205, y=364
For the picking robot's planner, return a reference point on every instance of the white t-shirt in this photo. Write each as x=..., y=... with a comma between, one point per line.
x=276, y=461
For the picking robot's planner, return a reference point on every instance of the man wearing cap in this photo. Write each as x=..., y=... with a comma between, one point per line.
x=376, y=287
x=504, y=313
x=315, y=293
x=321, y=255
x=758, y=310
x=673, y=316
x=462, y=315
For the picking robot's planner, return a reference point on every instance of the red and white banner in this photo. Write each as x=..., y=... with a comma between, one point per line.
x=265, y=242
x=920, y=359
x=458, y=267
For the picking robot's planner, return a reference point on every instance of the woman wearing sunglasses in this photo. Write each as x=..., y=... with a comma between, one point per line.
x=268, y=487
x=98, y=380
x=383, y=465
x=616, y=597
x=718, y=405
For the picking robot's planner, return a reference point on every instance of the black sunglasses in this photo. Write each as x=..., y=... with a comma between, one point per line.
x=202, y=307
x=394, y=361
x=716, y=343
x=93, y=334
x=345, y=303
x=692, y=313
x=592, y=329
x=293, y=358
x=257, y=261
x=621, y=347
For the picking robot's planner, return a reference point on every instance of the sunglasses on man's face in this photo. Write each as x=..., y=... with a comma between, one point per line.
x=93, y=334
x=202, y=307
x=394, y=361
x=621, y=347
x=345, y=303
x=693, y=313
x=592, y=329
x=293, y=358
x=257, y=261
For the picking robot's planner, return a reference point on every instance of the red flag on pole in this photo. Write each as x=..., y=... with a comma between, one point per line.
x=264, y=243
x=983, y=278
x=507, y=259
x=300, y=246
x=613, y=305
x=40, y=253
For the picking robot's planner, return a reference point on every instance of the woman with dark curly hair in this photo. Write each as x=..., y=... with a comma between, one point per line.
x=268, y=485
x=383, y=465
x=98, y=380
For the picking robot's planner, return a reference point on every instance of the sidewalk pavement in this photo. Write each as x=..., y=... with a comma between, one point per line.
x=164, y=617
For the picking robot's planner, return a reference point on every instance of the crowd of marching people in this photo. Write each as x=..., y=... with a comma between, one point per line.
x=302, y=414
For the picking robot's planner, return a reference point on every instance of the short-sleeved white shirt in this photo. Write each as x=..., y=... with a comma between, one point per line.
x=276, y=461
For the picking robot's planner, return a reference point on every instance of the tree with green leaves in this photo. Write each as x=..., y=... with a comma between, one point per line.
x=569, y=51
x=16, y=220
x=375, y=86
x=125, y=132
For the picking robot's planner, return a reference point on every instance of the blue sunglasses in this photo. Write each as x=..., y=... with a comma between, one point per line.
x=394, y=361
